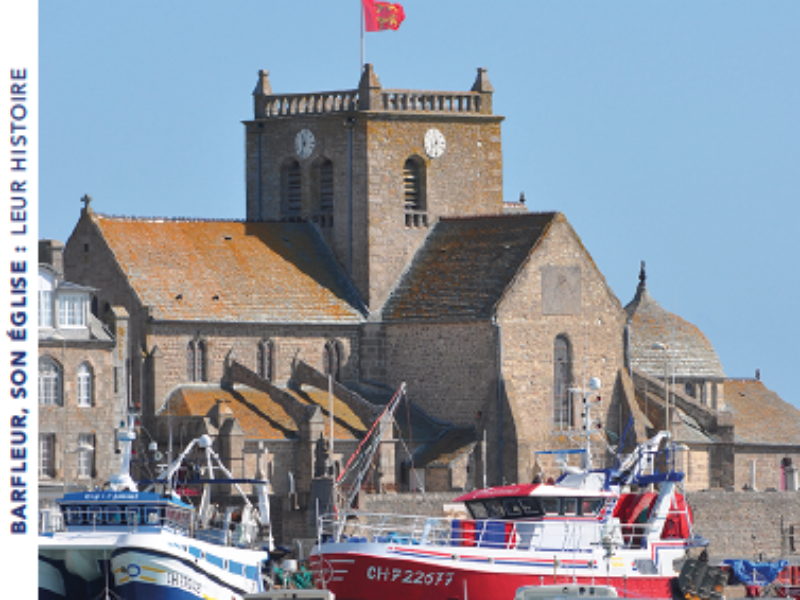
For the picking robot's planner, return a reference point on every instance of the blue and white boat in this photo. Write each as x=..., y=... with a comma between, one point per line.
x=132, y=544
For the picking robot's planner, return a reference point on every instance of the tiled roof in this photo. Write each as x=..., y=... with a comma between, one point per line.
x=259, y=416
x=465, y=265
x=346, y=425
x=689, y=353
x=760, y=416
x=231, y=271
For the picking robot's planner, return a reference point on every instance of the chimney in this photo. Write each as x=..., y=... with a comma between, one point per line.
x=51, y=252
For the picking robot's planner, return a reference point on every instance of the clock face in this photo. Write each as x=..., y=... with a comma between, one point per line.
x=304, y=143
x=434, y=143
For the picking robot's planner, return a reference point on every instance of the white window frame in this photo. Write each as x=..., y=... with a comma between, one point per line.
x=72, y=310
x=45, y=308
x=47, y=455
x=50, y=383
x=85, y=386
x=86, y=457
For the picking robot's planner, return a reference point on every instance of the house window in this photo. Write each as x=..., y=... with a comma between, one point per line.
x=264, y=360
x=50, y=388
x=414, y=193
x=47, y=455
x=190, y=361
x=331, y=360
x=562, y=377
x=71, y=310
x=86, y=455
x=45, y=308
x=85, y=385
x=292, y=189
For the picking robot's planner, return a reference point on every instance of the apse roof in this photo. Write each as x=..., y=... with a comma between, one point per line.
x=687, y=352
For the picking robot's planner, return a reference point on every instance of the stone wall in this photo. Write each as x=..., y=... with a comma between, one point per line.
x=748, y=524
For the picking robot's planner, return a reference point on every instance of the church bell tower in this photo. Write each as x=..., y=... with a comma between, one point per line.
x=373, y=168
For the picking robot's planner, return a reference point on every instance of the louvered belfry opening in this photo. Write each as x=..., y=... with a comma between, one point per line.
x=414, y=194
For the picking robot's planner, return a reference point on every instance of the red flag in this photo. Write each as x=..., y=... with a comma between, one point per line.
x=379, y=16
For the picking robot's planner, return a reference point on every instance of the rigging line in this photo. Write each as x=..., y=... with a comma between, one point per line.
x=375, y=424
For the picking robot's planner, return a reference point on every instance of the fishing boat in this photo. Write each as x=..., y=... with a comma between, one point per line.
x=132, y=544
x=627, y=529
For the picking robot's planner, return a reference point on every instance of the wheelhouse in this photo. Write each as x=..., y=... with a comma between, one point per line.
x=125, y=511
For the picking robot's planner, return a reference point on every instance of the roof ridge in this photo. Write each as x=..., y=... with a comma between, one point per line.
x=497, y=216
x=155, y=219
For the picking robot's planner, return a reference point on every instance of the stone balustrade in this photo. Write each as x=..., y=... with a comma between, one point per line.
x=424, y=101
x=317, y=103
x=305, y=104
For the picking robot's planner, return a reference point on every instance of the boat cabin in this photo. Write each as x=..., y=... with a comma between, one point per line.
x=534, y=501
x=124, y=511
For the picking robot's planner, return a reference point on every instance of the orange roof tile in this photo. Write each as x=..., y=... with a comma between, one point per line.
x=230, y=270
x=259, y=416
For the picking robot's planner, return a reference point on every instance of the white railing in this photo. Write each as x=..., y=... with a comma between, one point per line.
x=510, y=535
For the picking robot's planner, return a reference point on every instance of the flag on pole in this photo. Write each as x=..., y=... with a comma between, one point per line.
x=379, y=16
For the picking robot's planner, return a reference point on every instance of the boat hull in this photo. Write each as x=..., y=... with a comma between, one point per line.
x=182, y=570
x=365, y=576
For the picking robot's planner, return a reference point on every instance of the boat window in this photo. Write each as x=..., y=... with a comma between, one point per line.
x=95, y=515
x=74, y=515
x=495, y=509
x=512, y=508
x=132, y=516
x=591, y=506
x=569, y=506
x=151, y=515
x=478, y=510
x=550, y=505
x=531, y=507
x=113, y=515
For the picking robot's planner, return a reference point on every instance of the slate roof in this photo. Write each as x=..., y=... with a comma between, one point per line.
x=690, y=353
x=760, y=416
x=231, y=271
x=259, y=416
x=465, y=265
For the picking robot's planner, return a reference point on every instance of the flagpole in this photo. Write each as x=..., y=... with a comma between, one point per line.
x=361, y=69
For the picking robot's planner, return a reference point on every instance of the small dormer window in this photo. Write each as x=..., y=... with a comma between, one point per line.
x=72, y=310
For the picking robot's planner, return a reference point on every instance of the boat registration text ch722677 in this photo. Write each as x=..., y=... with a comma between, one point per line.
x=410, y=576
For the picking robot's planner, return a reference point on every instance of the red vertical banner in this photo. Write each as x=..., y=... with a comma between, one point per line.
x=379, y=16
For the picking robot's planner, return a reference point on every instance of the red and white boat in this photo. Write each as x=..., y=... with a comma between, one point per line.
x=589, y=528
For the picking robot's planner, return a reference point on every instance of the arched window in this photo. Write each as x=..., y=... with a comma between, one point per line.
x=85, y=385
x=292, y=189
x=414, y=193
x=331, y=360
x=196, y=361
x=201, y=363
x=264, y=360
x=50, y=383
x=562, y=378
x=190, y=361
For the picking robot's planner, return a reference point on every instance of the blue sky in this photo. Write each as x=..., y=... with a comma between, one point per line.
x=665, y=131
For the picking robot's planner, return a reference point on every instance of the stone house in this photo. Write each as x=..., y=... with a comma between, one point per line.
x=82, y=387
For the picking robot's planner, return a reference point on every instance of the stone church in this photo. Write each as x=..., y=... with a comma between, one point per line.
x=377, y=252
